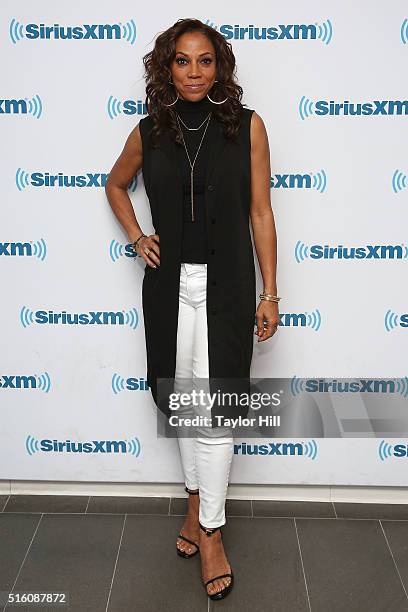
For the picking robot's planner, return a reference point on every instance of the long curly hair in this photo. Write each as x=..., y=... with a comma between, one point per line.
x=158, y=73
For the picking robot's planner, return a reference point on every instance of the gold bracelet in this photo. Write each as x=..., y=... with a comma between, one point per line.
x=269, y=297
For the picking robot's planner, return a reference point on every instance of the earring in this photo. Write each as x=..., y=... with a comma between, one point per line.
x=171, y=83
x=213, y=101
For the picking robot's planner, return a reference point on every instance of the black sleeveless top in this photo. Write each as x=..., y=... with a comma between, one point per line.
x=194, y=239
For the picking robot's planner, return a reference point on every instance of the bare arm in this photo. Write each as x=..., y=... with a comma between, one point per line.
x=263, y=223
x=262, y=219
x=125, y=168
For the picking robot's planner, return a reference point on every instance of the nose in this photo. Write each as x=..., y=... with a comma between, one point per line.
x=194, y=70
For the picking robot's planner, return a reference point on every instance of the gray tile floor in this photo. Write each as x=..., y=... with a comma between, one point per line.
x=118, y=555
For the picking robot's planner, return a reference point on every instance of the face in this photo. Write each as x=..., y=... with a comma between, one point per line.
x=193, y=69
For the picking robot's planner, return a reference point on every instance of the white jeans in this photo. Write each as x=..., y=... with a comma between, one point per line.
x=207, y=455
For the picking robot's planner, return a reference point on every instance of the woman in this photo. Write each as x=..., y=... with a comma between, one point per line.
x=206, y=170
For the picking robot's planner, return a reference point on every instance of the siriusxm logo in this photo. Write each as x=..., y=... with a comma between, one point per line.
x=399, y=181
x=293, y=319
x=120, y=384
x=106, y=31
x=124, y=447
x=117, y=107
x=298, y=31
x=41, y=382
x=308, y=107
x=22, y=106
x=388, y=451
x=281, y=449
x=398, y=386
x=60, y=180
x=118, y=249
x=316, y=181
x=369, y=251
x=49, y=317
x=302, y=319
x=392, y=320
x=37, y=249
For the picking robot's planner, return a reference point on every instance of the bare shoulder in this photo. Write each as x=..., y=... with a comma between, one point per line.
x=259, y=137
x=257, y=124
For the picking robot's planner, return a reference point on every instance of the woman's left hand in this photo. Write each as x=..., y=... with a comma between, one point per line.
x=267, y=319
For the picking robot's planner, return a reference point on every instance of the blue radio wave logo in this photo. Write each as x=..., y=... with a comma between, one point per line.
x=44, y=382
x=132, y=318
x=399, y=181
x=114, y=107
x=301, y=251
x=402, y=386
x=116, y=250
x=390, y=320
x=16, y=31
x=40, y=249
x=22, y=179
x=325, y=31
x=211, y=24
x=314, y=319
x=129, y=31
x=35, y=106
x=118, y=383
x=32, y=445
x=297, y=385
x=26, y=316
x=134, y=446
x=305, y=108
x=385, y=450
x=310, y=449
x=133, y=184
x=320, y=181
x=404, y=31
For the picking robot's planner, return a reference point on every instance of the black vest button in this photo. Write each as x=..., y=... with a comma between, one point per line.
x=211, y=187
x=212, y=251
x=213, y=220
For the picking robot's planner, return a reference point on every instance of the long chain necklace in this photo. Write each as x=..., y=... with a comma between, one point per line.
x=195, y=157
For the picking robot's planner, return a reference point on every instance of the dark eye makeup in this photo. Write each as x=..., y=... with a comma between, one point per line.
x=207, y=60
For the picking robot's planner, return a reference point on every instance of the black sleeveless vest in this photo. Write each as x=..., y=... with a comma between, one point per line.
x=231, y=300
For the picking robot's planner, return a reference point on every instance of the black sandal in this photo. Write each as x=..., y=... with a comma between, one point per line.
x=183, y=553
x=227, y=589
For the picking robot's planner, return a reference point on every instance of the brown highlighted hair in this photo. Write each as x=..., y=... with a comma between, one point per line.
x=158, y=74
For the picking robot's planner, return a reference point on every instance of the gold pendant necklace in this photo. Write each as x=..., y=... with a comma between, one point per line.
x=195, y=157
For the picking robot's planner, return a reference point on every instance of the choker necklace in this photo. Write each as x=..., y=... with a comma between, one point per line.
x=195, y=157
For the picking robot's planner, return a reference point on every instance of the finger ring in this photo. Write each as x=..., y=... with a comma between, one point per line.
x=147, y=250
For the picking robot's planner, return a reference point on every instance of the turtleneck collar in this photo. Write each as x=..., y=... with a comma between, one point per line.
x=188, y=106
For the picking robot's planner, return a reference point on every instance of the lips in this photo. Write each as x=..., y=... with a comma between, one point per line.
x=198, y=86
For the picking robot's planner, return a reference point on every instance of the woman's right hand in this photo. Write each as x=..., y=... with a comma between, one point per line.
x=152, y=246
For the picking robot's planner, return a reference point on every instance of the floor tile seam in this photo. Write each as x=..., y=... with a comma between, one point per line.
x=393, y=558
x=25, y=556
x=116, y=561
x=301, y=561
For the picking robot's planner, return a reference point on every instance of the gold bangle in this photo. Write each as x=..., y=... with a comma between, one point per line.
x=269, y=297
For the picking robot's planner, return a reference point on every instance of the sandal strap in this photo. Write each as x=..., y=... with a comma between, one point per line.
x=187, y=540
x=209, y=531
x=217, y=577
x=191, y=492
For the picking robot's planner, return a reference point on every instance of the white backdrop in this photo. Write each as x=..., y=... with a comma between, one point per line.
x=67, y=107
